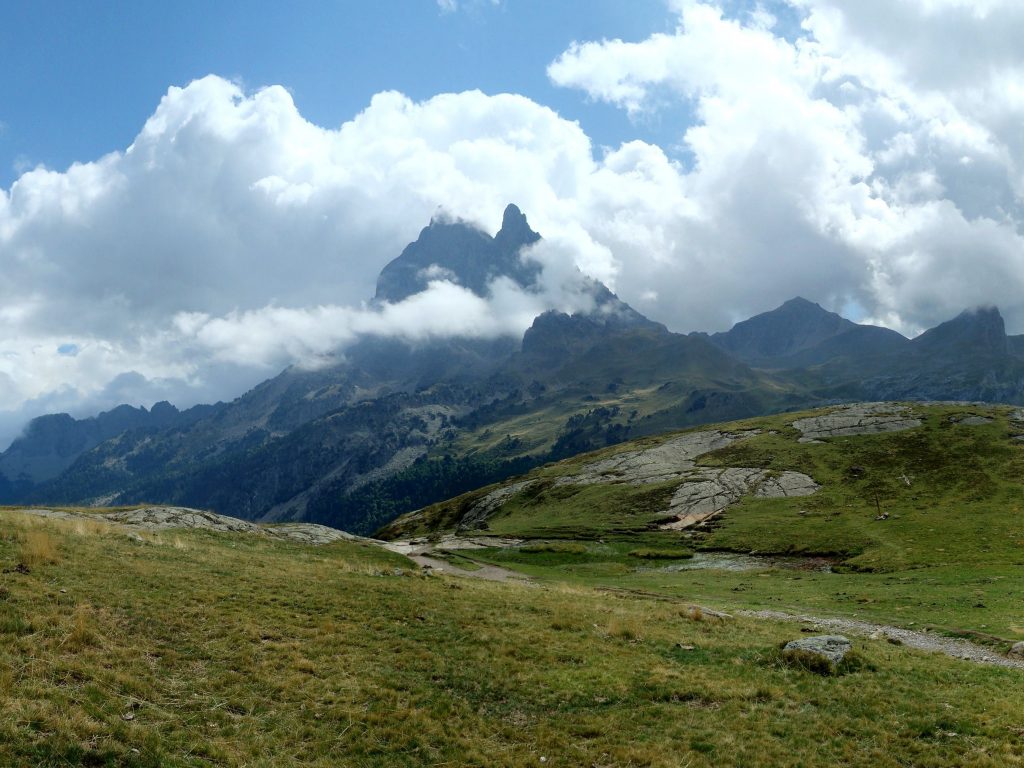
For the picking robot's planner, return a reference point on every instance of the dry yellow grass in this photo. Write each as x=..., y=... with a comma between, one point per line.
x=89, y=527
x=37, y=548
x=80, y=631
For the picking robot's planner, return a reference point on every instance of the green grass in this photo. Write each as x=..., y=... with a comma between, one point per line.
x=661, y=553
x=199, y=649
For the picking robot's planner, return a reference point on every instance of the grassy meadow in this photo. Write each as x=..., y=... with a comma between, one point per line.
x=191, y=648
x=188, y=648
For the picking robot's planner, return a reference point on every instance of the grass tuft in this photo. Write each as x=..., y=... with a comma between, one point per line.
x=622, y=628
x=37, y=548
x=556, y=547
x=81, y=632
x=665, y=553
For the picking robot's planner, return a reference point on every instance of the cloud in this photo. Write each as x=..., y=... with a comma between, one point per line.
x=833, y=150
x=857, y=161
x=451, y=6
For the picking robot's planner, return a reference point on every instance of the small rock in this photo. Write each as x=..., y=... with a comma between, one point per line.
x=129, y=716
x=1016, y=650
x=682, y=647
x=821, y=653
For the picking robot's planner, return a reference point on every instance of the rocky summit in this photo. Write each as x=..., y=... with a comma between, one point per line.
x=464, y=254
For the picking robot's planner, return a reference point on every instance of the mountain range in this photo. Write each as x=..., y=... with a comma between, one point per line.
x=396, y=426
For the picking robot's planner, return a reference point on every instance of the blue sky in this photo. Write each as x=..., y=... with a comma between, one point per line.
x=706, y=159
x=81, y=77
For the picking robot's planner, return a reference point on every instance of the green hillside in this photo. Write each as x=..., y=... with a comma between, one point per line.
x=921, y=525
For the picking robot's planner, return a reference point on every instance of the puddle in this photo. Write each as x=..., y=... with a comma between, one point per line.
x=730, y=561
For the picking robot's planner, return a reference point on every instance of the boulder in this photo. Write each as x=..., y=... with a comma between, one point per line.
x=1016, y=650
x=821, y=653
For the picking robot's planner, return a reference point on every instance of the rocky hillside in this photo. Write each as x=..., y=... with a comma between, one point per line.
x=880, y=458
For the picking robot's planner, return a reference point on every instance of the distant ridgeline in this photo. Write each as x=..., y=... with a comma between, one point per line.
x=398, y=426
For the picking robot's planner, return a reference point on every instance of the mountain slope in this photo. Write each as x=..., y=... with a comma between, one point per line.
x=343, y=654
x=398, y=425
x=357, y=465
x=51, y=443
x=800, y=333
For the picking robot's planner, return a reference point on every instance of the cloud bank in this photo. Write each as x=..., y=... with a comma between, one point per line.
x=836, y=151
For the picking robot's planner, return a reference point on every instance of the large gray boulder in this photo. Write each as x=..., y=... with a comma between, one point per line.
x=821, y=653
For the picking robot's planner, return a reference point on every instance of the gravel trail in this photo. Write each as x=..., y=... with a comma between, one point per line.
x=925, y=641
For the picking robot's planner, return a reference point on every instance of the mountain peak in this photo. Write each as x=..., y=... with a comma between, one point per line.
x=796, y=325
x=799, y=302
x=512, y=215
x=461, y=252
x=515, y=230
x=975, y=330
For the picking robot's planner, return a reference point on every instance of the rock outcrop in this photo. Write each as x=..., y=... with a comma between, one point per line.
x=822, y=653
x=491, y=503
x=166, y=518
x=707, y=492
x=857, y=419
x=702, y=492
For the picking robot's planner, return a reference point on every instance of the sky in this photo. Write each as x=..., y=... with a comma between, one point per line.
x=195, y=195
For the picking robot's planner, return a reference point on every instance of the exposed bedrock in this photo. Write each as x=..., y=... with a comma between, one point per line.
x=702, y=492
x=857, y=419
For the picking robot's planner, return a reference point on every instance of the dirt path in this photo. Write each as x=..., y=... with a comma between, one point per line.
x=485, y=572
x=925, y=641
x=423, y=552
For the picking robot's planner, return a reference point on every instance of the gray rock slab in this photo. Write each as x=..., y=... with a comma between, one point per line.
x=491, y=503
x=707, y=492
x=309, y=533
x=656, y=464
x=164, y=518
x=970, y=421
x=159, y=518
x=858, y=419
